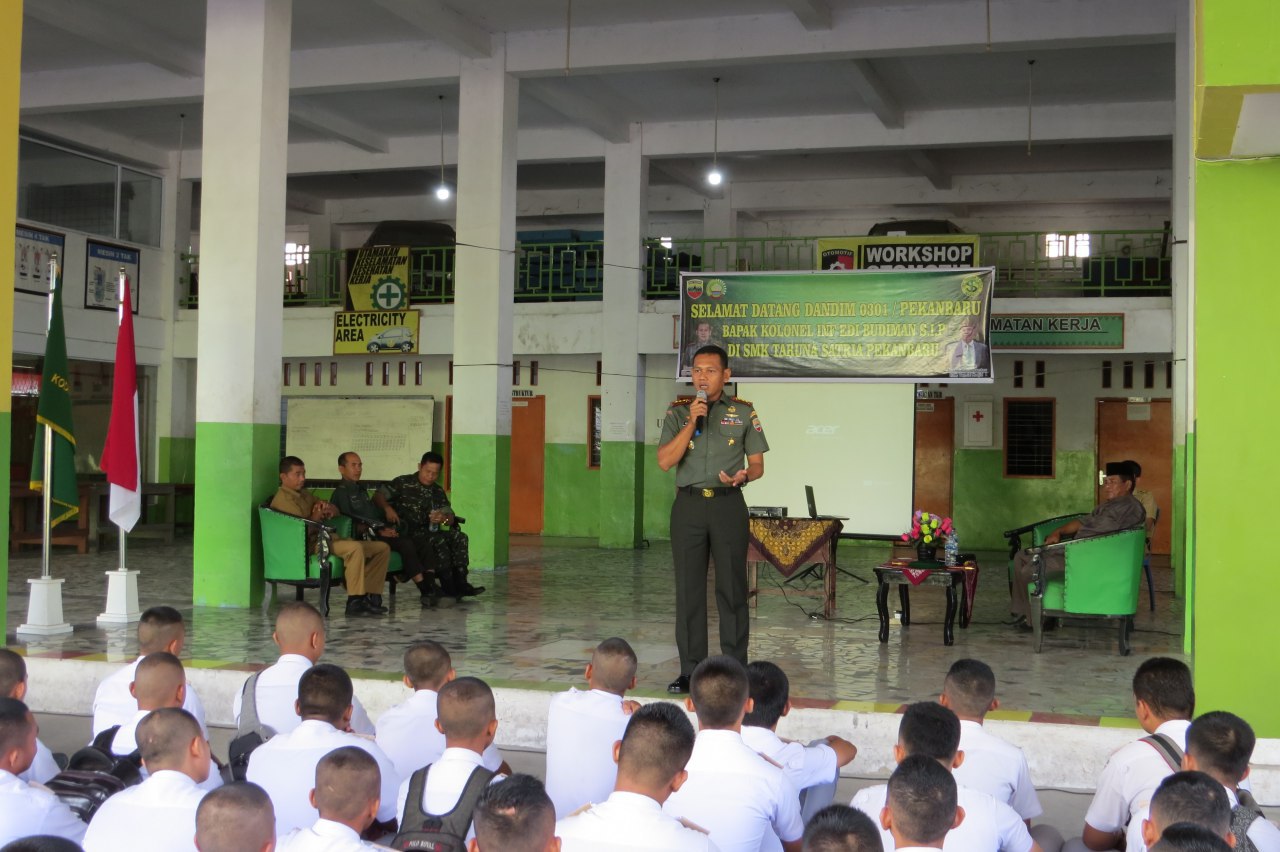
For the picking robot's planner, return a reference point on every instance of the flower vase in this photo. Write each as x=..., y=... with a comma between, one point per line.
x=927, y=553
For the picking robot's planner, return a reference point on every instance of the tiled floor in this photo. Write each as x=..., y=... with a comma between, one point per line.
x=534, y=627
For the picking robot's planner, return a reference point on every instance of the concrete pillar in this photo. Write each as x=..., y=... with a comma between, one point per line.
x=626, y=184
x=242, y=216
x=1183, y=297
x=174, y=459
x=10, y=46
x=484, y=304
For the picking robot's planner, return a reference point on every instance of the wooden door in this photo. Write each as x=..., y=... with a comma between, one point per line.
x=528, y=448
x=934, y=450
x=1142, y=431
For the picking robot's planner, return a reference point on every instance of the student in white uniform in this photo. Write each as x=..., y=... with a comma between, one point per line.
x=300, y=636
x=582, y=728
x=1164, y=702
x=840, y=828
x=468, y=719
x=13, y=684
x=160, y=629
x=921, y=806
x=158, y=815
x=407, y=733
x=1220, y=744
x=650, y=758
x=346, y=796
x=929, y=729
x=236, y=817
x=285, y=765
x=1187, y=796
x=813, y=769
x=745, y=802
x=27, y=809
x=516, y=815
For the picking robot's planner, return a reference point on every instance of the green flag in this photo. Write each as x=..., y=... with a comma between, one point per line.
x=55, y=411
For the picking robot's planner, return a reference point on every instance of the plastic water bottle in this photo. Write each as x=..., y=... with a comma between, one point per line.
x=951, y=550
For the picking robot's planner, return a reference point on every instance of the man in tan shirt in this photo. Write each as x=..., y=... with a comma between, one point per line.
x=364, y=562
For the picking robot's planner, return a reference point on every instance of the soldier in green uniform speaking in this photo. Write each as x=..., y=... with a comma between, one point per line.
x=706, y=439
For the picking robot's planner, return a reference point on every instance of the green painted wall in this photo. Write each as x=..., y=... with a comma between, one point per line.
x=481, y=493
x=1238, y=42
x=1235, y=463
x=986, y=503
x=6, y=426
x=621, y=500
x=571, y=501
x=236, y=465
x=1178, y=534
x=177, y=463
x=1189, y=508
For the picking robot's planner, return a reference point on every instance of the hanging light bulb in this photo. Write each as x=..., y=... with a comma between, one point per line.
x=442, y=191
x=715, y=177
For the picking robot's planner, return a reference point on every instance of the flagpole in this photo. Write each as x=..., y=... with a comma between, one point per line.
x=46, y=500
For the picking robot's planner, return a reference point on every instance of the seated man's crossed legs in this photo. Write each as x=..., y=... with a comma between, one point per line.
x=448, y=552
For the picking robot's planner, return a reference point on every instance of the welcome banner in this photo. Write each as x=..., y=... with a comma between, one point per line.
x=899, y=325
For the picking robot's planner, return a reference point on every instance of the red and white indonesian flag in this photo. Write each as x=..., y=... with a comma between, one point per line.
x=120, y=455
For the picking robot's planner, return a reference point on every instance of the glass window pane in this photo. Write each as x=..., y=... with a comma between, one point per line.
x=140, y=197
x=67, y=190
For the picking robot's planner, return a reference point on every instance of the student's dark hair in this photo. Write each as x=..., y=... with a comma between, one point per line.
x=235, y=817
x=515, y=815
x=342, y=457
x=970, y=686
x=13, y=671
x=15, y=723
x=1189, y=837
x=656, y=744
x=614, y=664
x=1192, y=797
x=770, y=690
x=1164, y=684
x=464, y=707
x=288, y=463
x=324, y=692
x=719, y=689
x=840, y=828
x=163, y=737
x=432, y=457
x=426, y=664
x=922, y=800
x=718, y=351
x=41, y=843
x=1222, y=744
x=347, y=780
x=927, y=728
x=158, y=626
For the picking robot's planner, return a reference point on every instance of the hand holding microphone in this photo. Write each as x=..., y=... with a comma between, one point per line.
x=701, y=419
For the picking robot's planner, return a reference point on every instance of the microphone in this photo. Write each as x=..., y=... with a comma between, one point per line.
x=697, y=426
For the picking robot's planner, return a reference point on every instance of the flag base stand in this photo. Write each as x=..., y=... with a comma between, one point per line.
x=122, y=599
x=44, y=609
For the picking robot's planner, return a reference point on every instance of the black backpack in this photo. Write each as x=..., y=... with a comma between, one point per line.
x=1242, y=816
x=95, y=774
x=424, y=832
x=250, y=734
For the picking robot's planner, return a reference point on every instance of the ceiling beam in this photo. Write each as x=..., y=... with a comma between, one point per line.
x=128, y=36
x=304, y=202
x=929, y=167
x=689, y=178
x=338, y=126
x=813, y=14
x=584, y=101
x=115, y=146
x=875, y=94
x=439, y=22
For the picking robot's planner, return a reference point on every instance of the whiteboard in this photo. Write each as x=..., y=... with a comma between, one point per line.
x=389, y=433
x=854, y=443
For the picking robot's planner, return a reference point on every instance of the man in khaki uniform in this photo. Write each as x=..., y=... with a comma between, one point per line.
x=364, y=562
x=707, y=438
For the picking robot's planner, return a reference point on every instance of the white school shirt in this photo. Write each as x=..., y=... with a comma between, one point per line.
x=27, y=809
x=276, y=697
x=43, y=767
x=996, y=768
x=627, y=821
x=126, y=740
x=581, y=730
x=743, y=800
x=285, y=766
x=324, y=836
x=158, y=815
x=113, y=705
x=806, y=766
x=1130, y=778
x=408, y=735
x=445, y=783
x=989, y=825
x=1262, y=832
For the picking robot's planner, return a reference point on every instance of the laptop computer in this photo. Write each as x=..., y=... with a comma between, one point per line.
x=813, y=507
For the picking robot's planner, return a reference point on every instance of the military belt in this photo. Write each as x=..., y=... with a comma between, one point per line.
x=695, y=491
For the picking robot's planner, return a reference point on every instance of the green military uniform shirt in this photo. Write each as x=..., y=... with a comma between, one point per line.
x=414, y=502
x=352, y=500
x=732, y=432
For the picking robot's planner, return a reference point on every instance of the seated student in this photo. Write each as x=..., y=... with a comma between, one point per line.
x=468, y=719
x=1220, y=744
x=160, y=629
x=651, y=758
x=158, y=815
x=582, y=728
x=346, y=796
x=27, y=809
x=13, y=684
x=931, y=730
x=515, y=815
x=921, y=806
x=840, y=828
x=236, y=817
x=1185, y=796
x=1188, y=837
x=744, y=801
x=300, y=636
x=407, y=733
x=285, y=765
x=1164, y=702
x=813, y=769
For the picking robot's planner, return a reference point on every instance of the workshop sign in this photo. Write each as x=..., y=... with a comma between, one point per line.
x=901, y=325
x=1057, y=331
x=375, y=332
x=379, y=279
x=940, y=251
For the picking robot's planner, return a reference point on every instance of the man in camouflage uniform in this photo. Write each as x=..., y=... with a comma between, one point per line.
x=421, y=507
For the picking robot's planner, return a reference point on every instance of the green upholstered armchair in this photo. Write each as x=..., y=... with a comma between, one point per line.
x=1037, y=532
x=286, y=557
x=1102, y=579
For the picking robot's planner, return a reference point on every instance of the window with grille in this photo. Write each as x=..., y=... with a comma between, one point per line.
x=1028, y=437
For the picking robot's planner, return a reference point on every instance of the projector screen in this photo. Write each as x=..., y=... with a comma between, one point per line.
x=854, y=443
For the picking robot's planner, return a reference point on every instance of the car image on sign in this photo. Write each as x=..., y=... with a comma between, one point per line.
x=392, y=338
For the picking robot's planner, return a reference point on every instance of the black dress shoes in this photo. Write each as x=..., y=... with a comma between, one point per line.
x=679, y=686
x=375, y=603
x=358, y=605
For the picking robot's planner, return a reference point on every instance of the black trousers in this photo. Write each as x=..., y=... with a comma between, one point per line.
x=714, y=527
